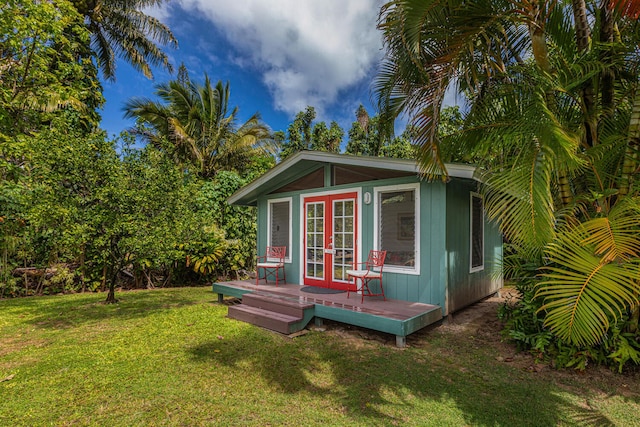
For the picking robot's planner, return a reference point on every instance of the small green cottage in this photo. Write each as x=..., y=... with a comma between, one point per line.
x=331, y=209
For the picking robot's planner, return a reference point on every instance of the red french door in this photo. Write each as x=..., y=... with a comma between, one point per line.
x=330, y=237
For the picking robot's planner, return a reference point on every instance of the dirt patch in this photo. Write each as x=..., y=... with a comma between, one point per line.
x=478, y=319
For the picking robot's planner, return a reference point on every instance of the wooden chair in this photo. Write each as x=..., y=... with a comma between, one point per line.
x=372, y=270
x=271, y=262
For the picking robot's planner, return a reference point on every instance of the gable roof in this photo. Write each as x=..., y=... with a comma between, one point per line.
x=305, y=162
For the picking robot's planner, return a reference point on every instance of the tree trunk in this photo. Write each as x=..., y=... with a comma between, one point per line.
x=583, y=31
x=116, y=264
x=149, y=281
x=538, y=39
x=168, y=279
x=633, y=145
x=583, y=41
x=40, y=286
x=608, y=78
x=564, y=189
x=111, y=295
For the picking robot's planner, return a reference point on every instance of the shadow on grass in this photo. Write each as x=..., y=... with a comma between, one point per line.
x=75, y=310
x=381, y=384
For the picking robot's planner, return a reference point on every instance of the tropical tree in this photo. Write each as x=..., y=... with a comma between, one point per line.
x=195, y=124
x=120, y=28
x=304, y=134
x=371, y=136
x=400, y=147
x=327, y=138
x=41, y=73
x=550, y=88
x=44, y=86
x=114, y=216
x=364, y=136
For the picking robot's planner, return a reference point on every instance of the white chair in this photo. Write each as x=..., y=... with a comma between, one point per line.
x=271, y=262
x=372, y=270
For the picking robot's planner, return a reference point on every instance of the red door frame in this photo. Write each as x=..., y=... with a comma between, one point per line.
x=328, y=268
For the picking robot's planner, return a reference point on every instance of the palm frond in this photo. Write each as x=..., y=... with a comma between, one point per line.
x=616, y=237
x=202, y=128
x=121, y=28
x=593, y=276
x=520, y=199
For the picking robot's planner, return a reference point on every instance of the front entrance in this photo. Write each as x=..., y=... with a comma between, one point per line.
x=330, y=236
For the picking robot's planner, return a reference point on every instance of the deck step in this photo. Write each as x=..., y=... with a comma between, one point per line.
x=282, y=305
x=283, y=323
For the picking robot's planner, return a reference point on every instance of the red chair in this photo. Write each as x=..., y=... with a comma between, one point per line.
x=372, y=270
x=272, y=261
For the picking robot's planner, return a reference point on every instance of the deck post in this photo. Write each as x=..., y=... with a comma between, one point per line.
x=318, y=321
x=401, y=341
x=220, y=298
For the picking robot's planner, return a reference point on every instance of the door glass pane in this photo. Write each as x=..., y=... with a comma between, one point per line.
x=315, y=240
x=349, y=208
x=343, y=238
x=348, y=240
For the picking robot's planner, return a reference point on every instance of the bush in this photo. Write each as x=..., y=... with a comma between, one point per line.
x=524, y=325
x=237, y=222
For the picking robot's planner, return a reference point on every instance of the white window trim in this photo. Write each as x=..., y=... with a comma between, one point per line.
x=415, y=270
x=270, y=202
x=480, y=267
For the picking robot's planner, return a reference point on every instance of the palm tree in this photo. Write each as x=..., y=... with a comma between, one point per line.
x=121, y=28
x=550, y=88
x=195, y=124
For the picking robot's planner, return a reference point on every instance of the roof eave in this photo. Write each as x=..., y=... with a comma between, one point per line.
x=246, y=195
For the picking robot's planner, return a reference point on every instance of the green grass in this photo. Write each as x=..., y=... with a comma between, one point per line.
x=171, y=357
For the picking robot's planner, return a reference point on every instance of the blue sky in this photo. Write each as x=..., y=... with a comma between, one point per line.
x=278, y=55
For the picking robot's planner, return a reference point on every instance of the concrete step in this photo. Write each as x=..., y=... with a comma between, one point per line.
x=278, y=304
x=283, y=323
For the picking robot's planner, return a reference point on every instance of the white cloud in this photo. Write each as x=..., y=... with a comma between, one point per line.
x=307, y=51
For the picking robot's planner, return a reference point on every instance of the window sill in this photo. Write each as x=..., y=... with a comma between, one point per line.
x=400, y=270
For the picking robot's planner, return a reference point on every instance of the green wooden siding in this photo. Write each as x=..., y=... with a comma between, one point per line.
x=465, y=287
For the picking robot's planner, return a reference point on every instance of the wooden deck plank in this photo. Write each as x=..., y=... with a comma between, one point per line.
x=400, y=318
x=278, y=322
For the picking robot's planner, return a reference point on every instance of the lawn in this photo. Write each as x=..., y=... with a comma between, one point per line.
x=171, y=357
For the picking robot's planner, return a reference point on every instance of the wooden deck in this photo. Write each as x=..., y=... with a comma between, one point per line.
x=399, y=318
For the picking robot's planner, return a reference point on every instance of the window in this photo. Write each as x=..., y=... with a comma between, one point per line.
x=280, y=225
x=477, y=233
x=397, y=227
